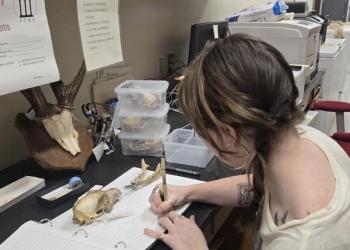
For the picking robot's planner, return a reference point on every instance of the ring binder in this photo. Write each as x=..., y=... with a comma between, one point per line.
x=81, y=230
x=45, y=220
x=120, y=243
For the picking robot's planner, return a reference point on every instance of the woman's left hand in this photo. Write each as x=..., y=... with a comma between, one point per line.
x=182, y=233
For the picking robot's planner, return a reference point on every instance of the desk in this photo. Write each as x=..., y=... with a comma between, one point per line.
x=102, y=173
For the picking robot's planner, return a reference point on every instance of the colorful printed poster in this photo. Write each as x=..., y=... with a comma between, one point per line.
x=26, y=54
x=99, y=31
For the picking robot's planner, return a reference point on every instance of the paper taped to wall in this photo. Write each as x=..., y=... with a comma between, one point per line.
x=99, y=31
x=26, y=54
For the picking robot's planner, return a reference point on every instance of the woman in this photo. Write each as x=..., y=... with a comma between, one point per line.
x=240, y=97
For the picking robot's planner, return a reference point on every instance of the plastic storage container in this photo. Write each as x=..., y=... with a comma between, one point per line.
x=145, y=144
x=137, y=122
x=142, y=96
x=183, y=146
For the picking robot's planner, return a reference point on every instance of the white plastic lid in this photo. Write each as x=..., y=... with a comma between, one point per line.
x=141, y=86
x=329, y=50
x=163, y=112
x=146, y=136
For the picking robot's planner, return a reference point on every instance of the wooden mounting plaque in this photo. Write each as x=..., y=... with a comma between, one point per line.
x=46, y=151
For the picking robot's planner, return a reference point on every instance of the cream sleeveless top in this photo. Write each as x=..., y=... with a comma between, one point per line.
x=328, y=228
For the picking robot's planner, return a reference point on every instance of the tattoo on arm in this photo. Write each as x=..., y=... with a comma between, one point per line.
x=244, y=195
x=280, y=220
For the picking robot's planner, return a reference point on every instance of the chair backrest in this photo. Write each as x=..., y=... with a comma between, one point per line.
x=342, y=137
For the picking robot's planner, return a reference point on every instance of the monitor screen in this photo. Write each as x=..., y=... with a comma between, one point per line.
x=201, y=33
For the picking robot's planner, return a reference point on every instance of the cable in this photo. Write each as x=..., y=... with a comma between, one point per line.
x=172, y=96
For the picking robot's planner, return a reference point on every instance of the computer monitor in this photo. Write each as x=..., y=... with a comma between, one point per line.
x=201, y=33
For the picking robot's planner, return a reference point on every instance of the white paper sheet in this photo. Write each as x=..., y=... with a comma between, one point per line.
x=34, y=236
x=128, y=229
x=99, y=31
x=26, y=54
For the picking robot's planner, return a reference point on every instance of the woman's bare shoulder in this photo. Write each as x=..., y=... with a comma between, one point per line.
x=316, y=183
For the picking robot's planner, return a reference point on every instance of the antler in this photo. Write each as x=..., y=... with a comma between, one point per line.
x=36, y=98
x=65, y=94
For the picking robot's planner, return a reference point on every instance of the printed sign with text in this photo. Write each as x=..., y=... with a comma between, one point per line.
x=26, y=54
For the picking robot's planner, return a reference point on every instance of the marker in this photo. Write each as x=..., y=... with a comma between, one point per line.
x=183, y=171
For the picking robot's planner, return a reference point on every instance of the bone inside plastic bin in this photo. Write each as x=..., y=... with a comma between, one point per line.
x=145, y=122
x=145, y=144
x=184, y=146
x=142, y=96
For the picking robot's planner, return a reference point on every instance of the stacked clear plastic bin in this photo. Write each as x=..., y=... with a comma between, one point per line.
x=142, y=115
x=184, y=146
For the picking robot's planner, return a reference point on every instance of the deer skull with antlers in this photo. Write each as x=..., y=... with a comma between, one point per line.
x=57, y=119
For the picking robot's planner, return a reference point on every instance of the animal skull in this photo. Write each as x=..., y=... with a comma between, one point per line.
x=60, y=128
x=94, y=204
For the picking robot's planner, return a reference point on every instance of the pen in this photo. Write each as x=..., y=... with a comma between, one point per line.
x=101, y=135
x=164, y=188
x=183, y=171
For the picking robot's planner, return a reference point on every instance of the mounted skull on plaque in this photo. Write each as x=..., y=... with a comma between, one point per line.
x=55, y=138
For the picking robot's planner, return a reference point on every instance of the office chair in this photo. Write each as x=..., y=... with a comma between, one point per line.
x=342, y=137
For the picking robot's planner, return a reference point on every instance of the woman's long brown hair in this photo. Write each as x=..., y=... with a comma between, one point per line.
x=245, y=83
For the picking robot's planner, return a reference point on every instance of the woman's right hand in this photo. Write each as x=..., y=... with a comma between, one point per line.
x=176, y=196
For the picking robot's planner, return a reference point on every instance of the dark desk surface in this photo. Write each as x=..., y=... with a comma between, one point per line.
x=102, y=173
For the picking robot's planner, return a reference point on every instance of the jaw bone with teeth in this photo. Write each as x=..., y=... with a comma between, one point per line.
x=60, y=128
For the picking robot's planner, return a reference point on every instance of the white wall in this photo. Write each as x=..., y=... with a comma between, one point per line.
x=152, y=28
x=149, y=29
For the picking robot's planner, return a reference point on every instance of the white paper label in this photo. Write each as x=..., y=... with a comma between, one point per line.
x=99, y=151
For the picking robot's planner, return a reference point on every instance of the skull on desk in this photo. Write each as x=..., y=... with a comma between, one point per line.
x=94, y=204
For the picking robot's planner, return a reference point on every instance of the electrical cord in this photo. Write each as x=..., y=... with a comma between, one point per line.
x=173, y=103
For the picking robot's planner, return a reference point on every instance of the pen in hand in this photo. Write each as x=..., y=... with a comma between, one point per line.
x=164, y=193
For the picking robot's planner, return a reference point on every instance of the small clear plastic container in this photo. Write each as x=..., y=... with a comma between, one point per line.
x=145, y=144
x=137, y=122
x=184, y=146
x=142, y=96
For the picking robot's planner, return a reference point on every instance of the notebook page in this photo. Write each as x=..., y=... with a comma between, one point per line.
x=34, y=236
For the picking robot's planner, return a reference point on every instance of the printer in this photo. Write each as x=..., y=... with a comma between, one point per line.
x=297, y=40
